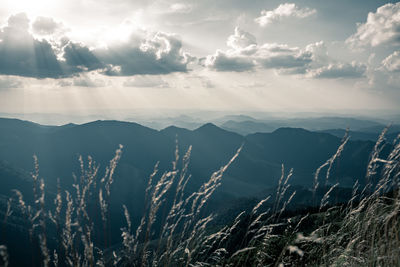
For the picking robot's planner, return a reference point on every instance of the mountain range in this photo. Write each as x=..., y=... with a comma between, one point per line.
x=257, y=167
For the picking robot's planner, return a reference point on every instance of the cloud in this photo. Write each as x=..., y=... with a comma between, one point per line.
x=319, y=52
x=222, y=61
x=339, y=70
x=22, y=55
x=18, y=22
x=144, y=53
x=282, y=57
x=236, y=59
x=182, y=8
x=85, y=81
x=253, y=85
x=206, y=83
x=46, y=26
x=241, y=39
x=157, y=53
x=8, y=83
x=81, y=58
x=64, y=83
x=245, y=54
x=381, y=27
x=146, y=81
x=392, y=62
x=382, y=78
x=283, y=11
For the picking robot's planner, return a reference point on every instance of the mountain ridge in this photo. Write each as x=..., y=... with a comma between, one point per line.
x=259, y=162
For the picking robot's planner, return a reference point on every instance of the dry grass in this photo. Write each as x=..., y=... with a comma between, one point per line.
x=365, y=232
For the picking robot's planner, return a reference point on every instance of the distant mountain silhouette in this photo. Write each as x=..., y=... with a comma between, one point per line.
x=258, y=166
x=364, y=136
x=248, y=127
x=378, y=129
x=236, y=118
x=251, y=126
x=321, y=123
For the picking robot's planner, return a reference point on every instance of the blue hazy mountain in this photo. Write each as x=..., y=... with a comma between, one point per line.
x=257, y=167
x=365, y=136
x=245, y=126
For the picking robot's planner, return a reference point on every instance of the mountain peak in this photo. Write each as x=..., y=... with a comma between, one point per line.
x=290, y=130
x=174, y=130
x=15, y=122
x=208, y=126
x=112, y=123
x=210, y=129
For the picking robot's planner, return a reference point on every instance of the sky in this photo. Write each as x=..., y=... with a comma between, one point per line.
x=87, y=56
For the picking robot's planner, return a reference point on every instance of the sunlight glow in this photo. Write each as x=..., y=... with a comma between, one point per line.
x=123, y=32
x=35, y=8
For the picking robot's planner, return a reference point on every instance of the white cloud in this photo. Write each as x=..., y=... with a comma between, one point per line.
x=392, y=62
x=241, y=39
x=143, y=53
x=381, y=27
x=381, y=78
x=18, y=21
x=9, y=83
x=156, y=53
x=229, y=61
x=83, y=81
x=207, y=83
x=242, y=44
x=283, y=11
x=245, y=54
x=47, y=26
x=339, y=70
x=280, y=56
x=319, y=52
x=64, y=83
x=146, y=81
x=312, y=61
x=182, y=8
